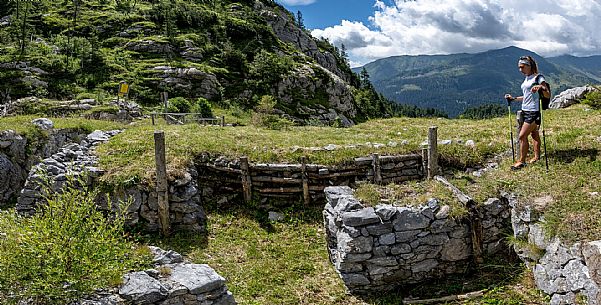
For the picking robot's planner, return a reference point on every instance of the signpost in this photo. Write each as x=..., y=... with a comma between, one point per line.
x=123, y=90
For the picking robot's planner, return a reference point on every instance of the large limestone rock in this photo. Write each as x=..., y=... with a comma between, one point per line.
x=189, y=82
x=287, y=30
x=310, y=81
x=570, y=97
x=149, y=46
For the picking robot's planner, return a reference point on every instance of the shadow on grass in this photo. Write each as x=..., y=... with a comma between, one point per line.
x=185, y=242
x=497, y=271
x=569, y=155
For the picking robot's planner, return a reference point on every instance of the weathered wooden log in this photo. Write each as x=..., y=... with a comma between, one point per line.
x=399, y=158
x=432, y=152
x=474, y=217
x=162, y=184
x=284, y=180
x=246, y=180
x=280, y=190
x=305, y=181
x=337, y=174
x=459, y=297
x=223, y=169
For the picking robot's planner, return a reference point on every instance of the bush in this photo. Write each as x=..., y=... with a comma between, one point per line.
x=593, y=99
x=179, y=105
x=64, y=252
x=203, y=107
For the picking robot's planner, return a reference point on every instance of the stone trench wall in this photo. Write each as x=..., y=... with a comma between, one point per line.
x=18, y=155
x=76, y=160
x=563, y=271
x=383, y=247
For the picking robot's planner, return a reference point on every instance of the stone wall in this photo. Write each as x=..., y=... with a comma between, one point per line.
x=76, y=160
x=171, y=281
x=383, y=247
x=563, y=271
x=18, y=154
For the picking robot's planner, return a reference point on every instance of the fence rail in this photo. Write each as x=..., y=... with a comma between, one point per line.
x=184, y=118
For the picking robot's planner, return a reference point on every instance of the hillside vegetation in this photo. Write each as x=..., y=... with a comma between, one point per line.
x=229, y=53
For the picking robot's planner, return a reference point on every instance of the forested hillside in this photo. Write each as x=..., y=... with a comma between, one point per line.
x=456, y=82
x=230, y=53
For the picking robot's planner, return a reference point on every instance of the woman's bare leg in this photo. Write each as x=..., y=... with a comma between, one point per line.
x=536, y=143
x=527, y=129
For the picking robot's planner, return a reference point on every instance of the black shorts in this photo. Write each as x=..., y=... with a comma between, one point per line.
x=531, y=117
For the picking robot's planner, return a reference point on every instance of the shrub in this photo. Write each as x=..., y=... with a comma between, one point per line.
x=203, y=107
x=593, y=99
x=179, y=105
x=65, y=251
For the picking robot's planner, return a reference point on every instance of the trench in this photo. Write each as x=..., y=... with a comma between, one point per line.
x=438, y=260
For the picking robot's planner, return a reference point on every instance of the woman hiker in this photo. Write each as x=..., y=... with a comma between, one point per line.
x=530, y=109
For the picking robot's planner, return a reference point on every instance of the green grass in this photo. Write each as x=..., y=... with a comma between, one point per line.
x=287, y=263
x=130, y=154
x=23, y=125
x=411, y=193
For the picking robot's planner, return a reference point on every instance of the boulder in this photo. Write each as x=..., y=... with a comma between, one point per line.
x=570, y=97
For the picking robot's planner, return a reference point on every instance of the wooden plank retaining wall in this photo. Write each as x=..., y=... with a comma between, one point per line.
x=305, y=181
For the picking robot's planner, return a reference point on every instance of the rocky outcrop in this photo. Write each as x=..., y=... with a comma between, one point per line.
x=304, y=84
x=570, y=97
x=288, y=31
x=565, y=272
x=384, y=247
x=171, y=281
x=149, y=46
x=188, y=82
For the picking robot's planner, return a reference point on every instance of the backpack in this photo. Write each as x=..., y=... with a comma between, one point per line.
x=543, y=100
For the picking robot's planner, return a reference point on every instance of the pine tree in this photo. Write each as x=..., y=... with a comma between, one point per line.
x=299, y=20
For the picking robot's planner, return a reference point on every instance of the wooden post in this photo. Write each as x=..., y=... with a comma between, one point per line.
x=306, y=196
x=165, y=100
x=375, y=163
x=162, y=186
x=222, y=121
x=424, y=161
x=474, y=217
x=432, y=152
x=152, y=116
x=246, y=182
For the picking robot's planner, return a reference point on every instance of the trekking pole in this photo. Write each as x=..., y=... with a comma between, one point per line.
x=542, y=127
x=510, y=130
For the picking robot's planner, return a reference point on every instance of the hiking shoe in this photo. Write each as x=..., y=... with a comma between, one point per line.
x=518, y=166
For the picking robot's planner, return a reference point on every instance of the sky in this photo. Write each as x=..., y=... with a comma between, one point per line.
x=373, y=29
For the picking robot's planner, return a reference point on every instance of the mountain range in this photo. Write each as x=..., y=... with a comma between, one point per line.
x=452, y=83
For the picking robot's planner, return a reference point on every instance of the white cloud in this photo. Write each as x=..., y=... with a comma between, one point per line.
x=297, y=2
x=548, y=27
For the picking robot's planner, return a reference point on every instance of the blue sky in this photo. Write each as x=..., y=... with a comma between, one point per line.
x=327, y=13
x=373, y=29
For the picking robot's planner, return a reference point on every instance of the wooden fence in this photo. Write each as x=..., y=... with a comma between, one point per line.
x=183, y=118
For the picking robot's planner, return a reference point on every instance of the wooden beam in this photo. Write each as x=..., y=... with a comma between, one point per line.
x=162, y=184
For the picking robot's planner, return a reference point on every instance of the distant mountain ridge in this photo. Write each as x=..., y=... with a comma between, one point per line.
x=455, y=82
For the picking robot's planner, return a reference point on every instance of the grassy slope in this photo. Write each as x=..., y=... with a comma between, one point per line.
x=572, y=144
x=287, y=263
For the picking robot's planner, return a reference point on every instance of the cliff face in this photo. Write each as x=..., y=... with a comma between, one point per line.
x=287, y=30
x=230, y=53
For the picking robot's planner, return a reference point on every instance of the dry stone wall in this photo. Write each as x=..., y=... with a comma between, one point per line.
x=563, y=271
x=383, y=247
x=76, y=160
x=18, y=154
